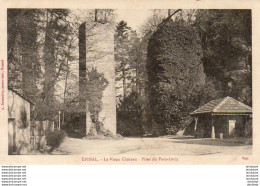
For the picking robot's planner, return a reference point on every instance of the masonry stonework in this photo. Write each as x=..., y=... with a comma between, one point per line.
x=18, y=135
x=101, y=56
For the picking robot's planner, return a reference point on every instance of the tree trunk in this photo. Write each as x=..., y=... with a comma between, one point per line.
x=124, y=82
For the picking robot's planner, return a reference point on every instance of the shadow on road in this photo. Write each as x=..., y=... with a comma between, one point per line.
x=74, y=134
x=214, y=142
x=182, y=137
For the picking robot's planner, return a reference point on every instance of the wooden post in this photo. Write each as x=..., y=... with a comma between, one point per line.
x=212, y=128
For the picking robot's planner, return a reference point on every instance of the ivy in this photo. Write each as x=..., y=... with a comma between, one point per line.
x=175, y=76
x=96, y=83
x=23, y=118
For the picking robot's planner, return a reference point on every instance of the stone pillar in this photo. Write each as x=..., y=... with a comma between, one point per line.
x=100, y=55
x=212, y=128
x=196, y=124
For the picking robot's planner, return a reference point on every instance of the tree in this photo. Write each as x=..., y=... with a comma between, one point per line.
x=126, y=41
x=39, y=52
x=227, y=56
x=129, y=116
x=56, y=52
x=23, y=57
x=152, y=22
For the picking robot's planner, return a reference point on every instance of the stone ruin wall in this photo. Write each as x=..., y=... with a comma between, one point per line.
x=101, y=56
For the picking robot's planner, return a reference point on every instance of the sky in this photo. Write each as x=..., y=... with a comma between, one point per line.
x=135, y=18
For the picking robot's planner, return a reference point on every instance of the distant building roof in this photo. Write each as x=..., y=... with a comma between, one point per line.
x=227, y=105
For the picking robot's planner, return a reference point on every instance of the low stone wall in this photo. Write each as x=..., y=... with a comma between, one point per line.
x=39, y=131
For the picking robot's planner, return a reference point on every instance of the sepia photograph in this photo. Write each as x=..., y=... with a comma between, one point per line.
x=129, y=82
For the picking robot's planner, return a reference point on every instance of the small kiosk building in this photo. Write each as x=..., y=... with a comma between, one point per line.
x=225, y=117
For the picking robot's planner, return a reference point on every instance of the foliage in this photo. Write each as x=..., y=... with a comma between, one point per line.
x=23, y=118
x=129, y=116
x=95, y=85
x=131, y=77
x=54, y=139
x=23, y=61
x=126, y=44
x=175, y=76
x=39, y=51
x=226, y=37
x=152, y=22
x=217, y=42
x=56, y=52
x=201, y=55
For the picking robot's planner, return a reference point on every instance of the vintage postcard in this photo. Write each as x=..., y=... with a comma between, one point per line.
x=129, y=82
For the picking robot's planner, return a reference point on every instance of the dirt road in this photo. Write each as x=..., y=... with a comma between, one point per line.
x=168, y=145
